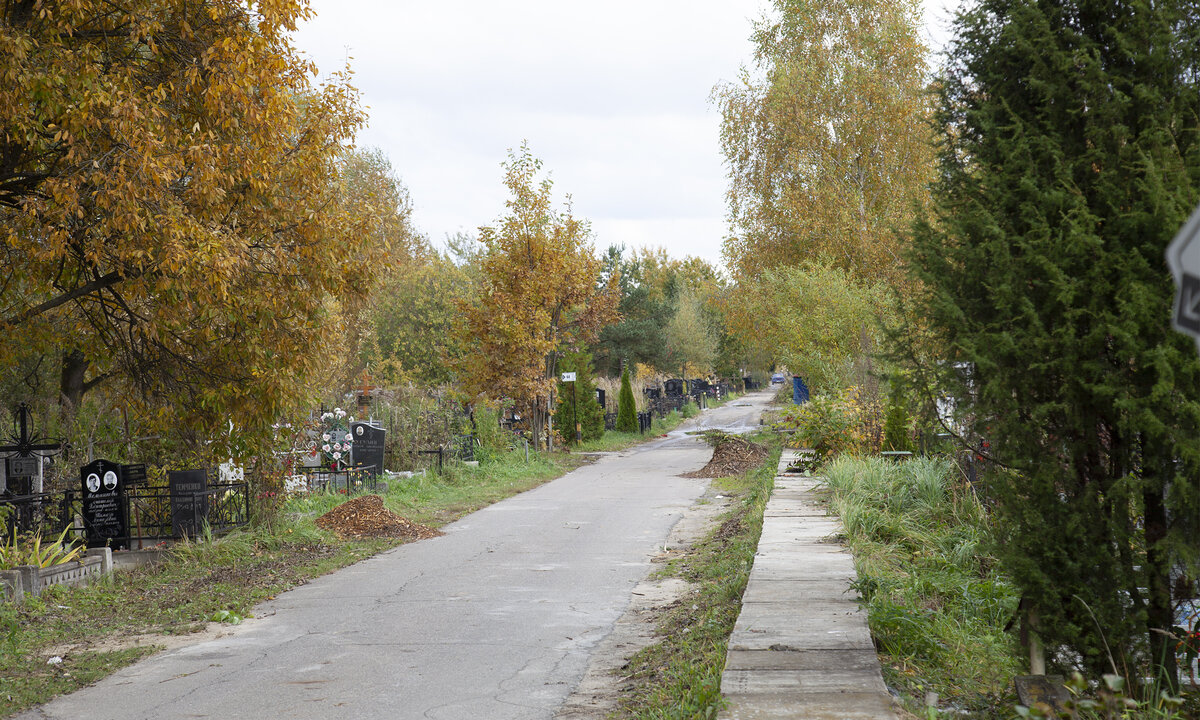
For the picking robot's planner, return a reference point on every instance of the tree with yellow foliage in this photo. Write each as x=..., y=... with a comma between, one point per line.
x=174, y=213
x=541, y=292
x=827, y=143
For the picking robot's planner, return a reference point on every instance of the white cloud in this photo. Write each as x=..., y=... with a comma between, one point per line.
x=613, y=97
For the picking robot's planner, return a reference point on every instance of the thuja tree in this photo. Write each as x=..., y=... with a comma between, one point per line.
x=577, y=400
x=626, y=407
x=1068, y=160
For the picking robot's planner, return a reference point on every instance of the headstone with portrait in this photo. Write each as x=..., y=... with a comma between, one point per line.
x=104, y=507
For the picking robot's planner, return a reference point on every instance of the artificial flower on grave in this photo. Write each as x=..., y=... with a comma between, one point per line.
x=336, y=439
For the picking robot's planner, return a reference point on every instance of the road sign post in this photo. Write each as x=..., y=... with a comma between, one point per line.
x=570, y=377
x=1183, y=257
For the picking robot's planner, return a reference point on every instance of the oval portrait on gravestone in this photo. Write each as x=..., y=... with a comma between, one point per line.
x=358, y=431
x=93, y=482
x=110, y=480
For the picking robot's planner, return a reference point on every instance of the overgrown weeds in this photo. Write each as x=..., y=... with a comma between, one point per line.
x=937, y=606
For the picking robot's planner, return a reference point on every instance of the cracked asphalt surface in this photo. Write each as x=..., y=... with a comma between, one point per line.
x=494, y=620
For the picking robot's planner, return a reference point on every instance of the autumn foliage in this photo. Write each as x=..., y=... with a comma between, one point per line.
x=540, y=294
x=173, y=208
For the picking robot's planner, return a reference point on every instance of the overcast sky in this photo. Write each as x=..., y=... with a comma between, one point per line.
x=612, y=96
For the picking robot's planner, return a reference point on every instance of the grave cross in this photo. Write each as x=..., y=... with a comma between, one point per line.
x=23, y=445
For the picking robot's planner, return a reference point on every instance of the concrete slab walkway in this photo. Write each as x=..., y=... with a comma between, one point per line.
x=801, y=647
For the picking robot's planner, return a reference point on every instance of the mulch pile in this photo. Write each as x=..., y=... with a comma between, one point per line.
x=731, y=456
x=366, y=516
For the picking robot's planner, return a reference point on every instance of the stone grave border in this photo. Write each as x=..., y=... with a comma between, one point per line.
x=31, y=580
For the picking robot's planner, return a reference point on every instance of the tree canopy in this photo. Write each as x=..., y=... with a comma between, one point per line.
x=1070, y=156
x=541, y=293
x=174, y=202
x=827, y=141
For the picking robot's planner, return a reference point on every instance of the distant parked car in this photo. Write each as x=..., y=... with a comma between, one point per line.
x=777, y=378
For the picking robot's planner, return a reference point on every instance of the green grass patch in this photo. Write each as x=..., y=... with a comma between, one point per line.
x=613, y=441
x=680, y=676
x=936, y=603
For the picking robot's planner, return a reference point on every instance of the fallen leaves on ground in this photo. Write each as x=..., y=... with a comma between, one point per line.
x=366, y=516
x=732, y=455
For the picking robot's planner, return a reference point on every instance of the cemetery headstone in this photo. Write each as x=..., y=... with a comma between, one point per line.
x=23, y=455
x=133, y=475
x=104, y=509
x=189, y=501
x=367, y=450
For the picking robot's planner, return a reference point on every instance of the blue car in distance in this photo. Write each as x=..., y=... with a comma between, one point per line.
x=777, y=378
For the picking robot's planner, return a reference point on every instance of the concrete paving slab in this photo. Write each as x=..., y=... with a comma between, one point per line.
x=759, y=681
x=794, y=614
x=809, y=706
x=795, y=483
x=812, y=529
x=798, y=508
x=810, y=636
x=801, y=660
x=797, y=591
x=820, y=565
x=799, y=540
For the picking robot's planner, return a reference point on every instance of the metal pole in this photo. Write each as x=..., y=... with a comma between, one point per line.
x=575, y=413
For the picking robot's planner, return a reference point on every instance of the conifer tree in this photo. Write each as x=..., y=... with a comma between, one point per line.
x=587, y=412
x=1069, y=159
x=626, y=408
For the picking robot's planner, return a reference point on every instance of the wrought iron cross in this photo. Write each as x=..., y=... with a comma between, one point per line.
x=23, y=444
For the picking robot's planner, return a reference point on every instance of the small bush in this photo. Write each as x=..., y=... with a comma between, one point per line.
x=829, y=424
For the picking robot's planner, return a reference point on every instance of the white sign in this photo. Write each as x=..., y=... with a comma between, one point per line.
x=568, y=377
x=1183, y=256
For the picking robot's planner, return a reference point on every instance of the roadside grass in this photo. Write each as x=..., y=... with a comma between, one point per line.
x=680, y=676
x=90, y=628
x=936, y=604
x=613, y=441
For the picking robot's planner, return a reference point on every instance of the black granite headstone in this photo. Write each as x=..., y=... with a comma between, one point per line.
x=189, y=501
x=367, y=450
x=104, y=505
x=133, y=475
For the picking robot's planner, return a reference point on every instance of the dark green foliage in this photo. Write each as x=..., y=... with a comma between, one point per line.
x=1068, y=162
x=638, y=335
x=588, y=414
x=626, y=408
x=897, y=424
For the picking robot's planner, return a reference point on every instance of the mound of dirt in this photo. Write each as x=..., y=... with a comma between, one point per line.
x=366, y=516
x=732, y=455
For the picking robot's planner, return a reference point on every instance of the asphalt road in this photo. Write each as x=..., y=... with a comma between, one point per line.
x=495, y=620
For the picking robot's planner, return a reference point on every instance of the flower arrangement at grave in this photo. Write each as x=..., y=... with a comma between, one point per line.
x=335, y=438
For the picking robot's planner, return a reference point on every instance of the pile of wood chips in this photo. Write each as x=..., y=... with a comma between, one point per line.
x=733, y=455
x=366, y=516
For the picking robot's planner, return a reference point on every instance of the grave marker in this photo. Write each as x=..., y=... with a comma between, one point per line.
x=24, y=453
x=104, y=505
x=133, y=475
x=189, y=501
x=368, y=446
